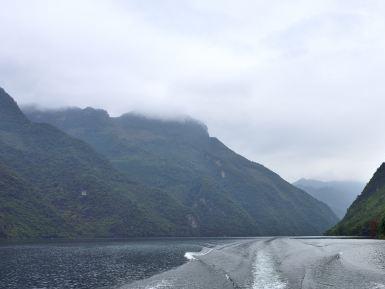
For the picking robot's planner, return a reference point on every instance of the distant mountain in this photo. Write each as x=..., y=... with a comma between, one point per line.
x=338, y=195
x=220, y=187
x=366, y=216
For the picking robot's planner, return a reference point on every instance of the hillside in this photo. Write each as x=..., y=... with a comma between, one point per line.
x=53, y=185
x=338, y=195
x=198, y=170
x=366, y=216
x=21, y=213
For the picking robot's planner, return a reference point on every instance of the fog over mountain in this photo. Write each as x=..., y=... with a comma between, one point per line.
x=337, y=195
x=294, y=85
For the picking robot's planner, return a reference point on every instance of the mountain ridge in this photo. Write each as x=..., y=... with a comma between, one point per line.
x=178, y=156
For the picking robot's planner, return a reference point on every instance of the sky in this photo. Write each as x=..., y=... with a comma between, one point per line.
x=295, y=85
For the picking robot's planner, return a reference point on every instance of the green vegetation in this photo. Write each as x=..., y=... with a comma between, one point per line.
x=381, y=229
x=224, y=193
x=52, y=185
x=366, y=216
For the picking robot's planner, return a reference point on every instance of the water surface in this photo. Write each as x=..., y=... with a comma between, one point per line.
x=247, y=263
x=85, y=265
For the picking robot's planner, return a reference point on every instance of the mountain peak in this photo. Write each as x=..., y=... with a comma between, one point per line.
x=9, y=111
x=96, y=112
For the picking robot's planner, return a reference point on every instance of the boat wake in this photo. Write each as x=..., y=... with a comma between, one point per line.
x=265, y=275
x=276, y=263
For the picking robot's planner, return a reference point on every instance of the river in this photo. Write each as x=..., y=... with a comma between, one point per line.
x=255, y=263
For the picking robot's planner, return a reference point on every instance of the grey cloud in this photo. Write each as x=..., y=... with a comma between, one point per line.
x=295, y=85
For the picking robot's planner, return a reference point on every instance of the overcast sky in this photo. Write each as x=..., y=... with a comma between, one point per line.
x=296, y=85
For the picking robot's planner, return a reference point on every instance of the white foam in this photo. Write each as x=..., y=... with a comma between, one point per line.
x=378, y=286
x=189, y=256
x=192, y=255
x=265, y=276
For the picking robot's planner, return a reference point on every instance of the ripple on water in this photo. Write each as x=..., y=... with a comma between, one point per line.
x=88, y=265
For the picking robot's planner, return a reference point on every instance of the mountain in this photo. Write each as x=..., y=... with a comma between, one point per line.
x=180, y=157
x=366, y=216
x=53, y=185
x=21, y=213
x=338, y=195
